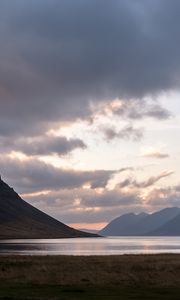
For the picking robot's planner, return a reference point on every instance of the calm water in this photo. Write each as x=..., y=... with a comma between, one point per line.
x=92, y=246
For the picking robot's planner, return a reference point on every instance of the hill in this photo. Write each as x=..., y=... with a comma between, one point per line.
x=18, y=219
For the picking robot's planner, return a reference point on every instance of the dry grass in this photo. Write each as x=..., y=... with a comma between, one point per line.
x=128, y=270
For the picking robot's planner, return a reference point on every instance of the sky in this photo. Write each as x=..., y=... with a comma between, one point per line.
x=89, y=106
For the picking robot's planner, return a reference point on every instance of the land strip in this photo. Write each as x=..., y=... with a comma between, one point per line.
x=93, y=277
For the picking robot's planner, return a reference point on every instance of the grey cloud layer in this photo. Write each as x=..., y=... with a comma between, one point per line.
x=62, y=204
x=58, y=56
x=61, y=58
x=34, y=175
x=46, y=145
x=64, y=188
x=93, y=206
x=102, y=207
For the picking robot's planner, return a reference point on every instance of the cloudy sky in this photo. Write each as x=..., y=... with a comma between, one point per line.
x=89, y=106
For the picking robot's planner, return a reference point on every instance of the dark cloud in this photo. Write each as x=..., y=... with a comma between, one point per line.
x=34, y=175
x=46, y=145
x=144, y=184
x=87, y=198
x=128, y=132
x=57, y=57
x=110, y=199
x=139, y=109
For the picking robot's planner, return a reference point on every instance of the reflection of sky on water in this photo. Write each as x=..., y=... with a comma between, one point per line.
x=92, y=246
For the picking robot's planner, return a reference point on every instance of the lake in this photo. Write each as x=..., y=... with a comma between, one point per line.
x=92, y=246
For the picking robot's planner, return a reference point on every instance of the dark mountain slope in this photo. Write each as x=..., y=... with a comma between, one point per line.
x=171, y=228
x=19, y=219
x=154, y=221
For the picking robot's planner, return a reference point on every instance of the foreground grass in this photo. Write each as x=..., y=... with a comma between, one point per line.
x=84, y=278
x=86, y=293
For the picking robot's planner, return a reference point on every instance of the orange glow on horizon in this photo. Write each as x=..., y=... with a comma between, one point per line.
x=95, y=226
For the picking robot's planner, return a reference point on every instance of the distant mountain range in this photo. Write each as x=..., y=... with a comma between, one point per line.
x=19, y=219
x=165, y=222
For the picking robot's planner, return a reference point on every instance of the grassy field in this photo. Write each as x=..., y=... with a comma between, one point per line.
x=98, y=277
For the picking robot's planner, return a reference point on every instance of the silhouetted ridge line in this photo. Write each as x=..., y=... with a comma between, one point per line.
x=18, y=219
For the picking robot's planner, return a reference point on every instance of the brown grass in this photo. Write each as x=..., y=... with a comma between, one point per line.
x=127, y=270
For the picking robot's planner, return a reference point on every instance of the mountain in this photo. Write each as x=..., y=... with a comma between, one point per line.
x=171, y=228
x=18, y=219
x=159, y=223
x=154, y=221
x=122, y=224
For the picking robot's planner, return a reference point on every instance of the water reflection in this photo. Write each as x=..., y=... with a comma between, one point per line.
x=92, y=246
